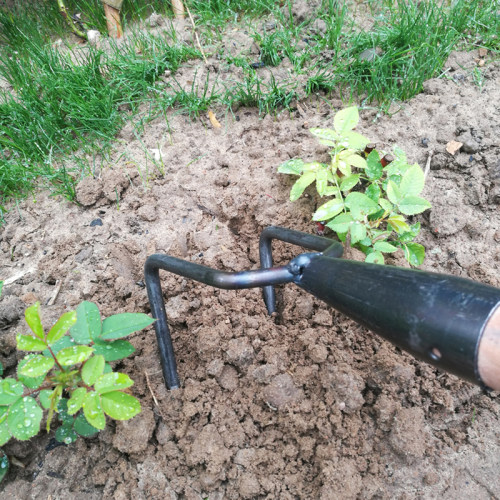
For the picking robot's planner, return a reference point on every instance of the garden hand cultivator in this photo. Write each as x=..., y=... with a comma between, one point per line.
x=450, y=322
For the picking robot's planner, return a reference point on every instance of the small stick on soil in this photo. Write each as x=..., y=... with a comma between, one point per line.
x=196, y=34
x=428, y=164
x=55, y=294
x=153, y=395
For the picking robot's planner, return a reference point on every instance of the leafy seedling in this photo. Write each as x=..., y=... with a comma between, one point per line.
x=67, y=373
x=371, y=194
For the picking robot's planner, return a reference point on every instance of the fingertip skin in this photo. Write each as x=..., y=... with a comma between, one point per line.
x=488, y=354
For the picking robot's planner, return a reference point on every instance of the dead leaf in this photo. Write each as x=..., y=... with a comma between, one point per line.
x=453, y=146
x=483, y=52
x=213, y=120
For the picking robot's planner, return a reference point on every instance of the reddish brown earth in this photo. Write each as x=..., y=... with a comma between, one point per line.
x=304, y=405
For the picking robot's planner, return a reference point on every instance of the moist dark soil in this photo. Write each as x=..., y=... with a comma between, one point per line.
x=306, y=404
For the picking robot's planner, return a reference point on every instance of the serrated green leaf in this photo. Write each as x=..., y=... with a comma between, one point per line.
x=24, y=418
x=385, y=204
x=29, y=343
x=412, y=205
x=82, y=427
x=373, y=192
x=63, y=324
x=10, y=391
x=45, y=398
x=373, y=166
x=327, y=136
x=384, y=246
x=66, y=341
x=75, y=402
x=5, y=433
x=398, y=223
x=332, y=191
x=412, y=182
x=112, y=351
x=121, y=325
x=393, y=192
x=321, y=181
x=66, y=434
x=74, y=355
x=375, y=257
x=120, y=406
x=345, y=120
x=356, y=161
x=341, y=223
x=313, y=166
x=37, y=366
x=62, y=412
x=353, y=140
x=414, y=253
x=32, y=316
x=293, y=166
x=88, y=323
x=349, y=182
x=92, y=410
x=93, y=369
x=344, y=167
x=112, y=382
x=411, y=234
x=328, y=210
x=360, y=205
x=29, y=381
x=301, y=184
x=358, y=232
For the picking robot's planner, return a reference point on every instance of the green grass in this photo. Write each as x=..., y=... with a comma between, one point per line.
x=70, y=103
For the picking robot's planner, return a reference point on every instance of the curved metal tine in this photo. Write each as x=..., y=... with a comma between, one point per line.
x=219, y=279
x=310, y=241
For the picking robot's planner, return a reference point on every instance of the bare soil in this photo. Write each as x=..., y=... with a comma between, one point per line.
x=304, y=405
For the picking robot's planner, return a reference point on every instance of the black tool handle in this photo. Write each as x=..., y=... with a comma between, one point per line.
x=451, y=322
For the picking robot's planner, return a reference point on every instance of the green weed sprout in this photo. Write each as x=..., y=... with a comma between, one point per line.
x=370, y=197
x=70, y=375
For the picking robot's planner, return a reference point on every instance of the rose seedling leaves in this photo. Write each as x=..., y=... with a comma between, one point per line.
x=328, y=210
x=353, y=140
x=112, y=351
x=5, y=434
x=414, y=253
x=24, y=418
x=299, y=187
x=37, y=366
x=82, y=427
x=322, y=181
x=66, y=434
x=398, y=223
x=294, y=166
x=358, y=232
x=373, y=166
x=88, y=323
x=360, y=205
x=121, y=325
x=28, y=380
x=346, y=119
x=10, y=391
x=92, y=410
x=326, y=136
x=412, y=182
x=29, y=343
x=32, y=316
x=75, y=402
x=93, y=369
x=411, y=205
x=45, y=398
x=373, y=192
x=393, y=192
x=349, y=182
x=375, y=257
x=112, y=382
x=120, y=406
x=384, y=246
x=63, y=324
x=66, y=341
x=341, y=223
x=74, y=355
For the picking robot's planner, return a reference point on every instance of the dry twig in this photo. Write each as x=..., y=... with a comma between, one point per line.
x=196, y=35
x=428, y=164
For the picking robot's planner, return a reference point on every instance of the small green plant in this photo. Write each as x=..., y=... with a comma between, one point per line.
x=370, y=195
x=70, y=375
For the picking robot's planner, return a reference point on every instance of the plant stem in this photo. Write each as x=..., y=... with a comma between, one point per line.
x=55, y=359
x=64, y=12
